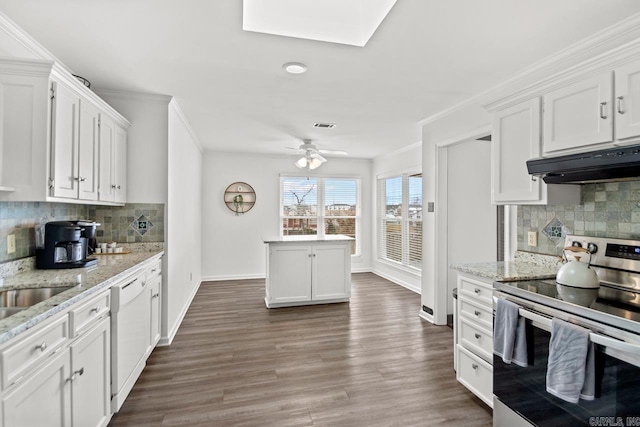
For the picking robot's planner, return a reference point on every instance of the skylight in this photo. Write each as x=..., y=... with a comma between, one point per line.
x=350, y=22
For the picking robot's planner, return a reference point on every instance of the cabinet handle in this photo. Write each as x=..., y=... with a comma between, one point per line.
x=477, y=313
x=113, y=186
x=75, y=374
x=603, y=112
x=155, y=295
x=94, y=310
x=478, y=336
x=474, y=366
x=42, y=347
x=534, y=179
x=118, y=187
x=477, y=291
x=153, y=270
x=620, y=106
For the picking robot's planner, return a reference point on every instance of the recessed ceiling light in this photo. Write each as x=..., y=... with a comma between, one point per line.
x=295, y=67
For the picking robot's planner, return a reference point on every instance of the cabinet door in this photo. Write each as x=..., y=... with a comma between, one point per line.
x=627, y=108
x=515, y=139
x=154, y=295
x=331, y=271
x=64, y=142
x=579, y=115
x=44, y=399
x=107, y=186
x=289, y=273
x=88, y=151
x=90, y=370
x=120, y=164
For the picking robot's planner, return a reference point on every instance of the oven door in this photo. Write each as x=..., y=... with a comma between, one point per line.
x=523, y=390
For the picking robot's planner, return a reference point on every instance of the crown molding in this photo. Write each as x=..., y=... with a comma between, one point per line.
x=135, y=96
x=28, y=67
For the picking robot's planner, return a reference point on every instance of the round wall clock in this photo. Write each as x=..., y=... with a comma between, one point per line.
x=239, y=197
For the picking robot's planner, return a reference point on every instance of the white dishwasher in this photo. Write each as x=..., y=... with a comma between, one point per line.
x=130, y=325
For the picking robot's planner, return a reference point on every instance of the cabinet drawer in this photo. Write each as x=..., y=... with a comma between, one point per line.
x=477, y=313
x=82, y=318
x=481, y=292
x=22, y=357
x=476, y=339
x=475, y=374
x=154, y=270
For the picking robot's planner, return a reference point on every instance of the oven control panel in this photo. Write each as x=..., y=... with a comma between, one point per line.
x=623, y=251
x=607, y=252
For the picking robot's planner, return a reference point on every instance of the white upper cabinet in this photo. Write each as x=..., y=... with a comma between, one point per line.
x=50, y=143
x=65, y=114
x=113, y=161
x=593, y=113
x=579, y=115
x=74, y=145
x=515, y=139
x=627, y=102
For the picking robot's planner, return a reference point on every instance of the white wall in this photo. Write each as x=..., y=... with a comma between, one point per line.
x=232, y=245
x=183, y=220
x=408, y=159
x=471, y=224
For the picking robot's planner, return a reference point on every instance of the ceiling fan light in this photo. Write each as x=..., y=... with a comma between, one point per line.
x=314, y=163
x=301, y=163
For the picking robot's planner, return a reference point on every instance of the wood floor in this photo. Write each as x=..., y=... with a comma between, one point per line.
x=370, y=362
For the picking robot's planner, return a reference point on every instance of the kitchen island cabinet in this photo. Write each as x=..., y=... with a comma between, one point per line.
x=305, y=270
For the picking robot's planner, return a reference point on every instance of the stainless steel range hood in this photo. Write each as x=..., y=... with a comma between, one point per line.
x=612, y=164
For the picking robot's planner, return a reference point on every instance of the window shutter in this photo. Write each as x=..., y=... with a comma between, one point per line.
x=399, y=220
x=415, y=221
x=390, y=223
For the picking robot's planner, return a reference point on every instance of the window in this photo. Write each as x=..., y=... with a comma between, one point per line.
x=400, y=220
x=320, y=206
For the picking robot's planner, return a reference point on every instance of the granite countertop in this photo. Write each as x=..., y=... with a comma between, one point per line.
x=308, y=238
x=85, y=282
x=526, y=266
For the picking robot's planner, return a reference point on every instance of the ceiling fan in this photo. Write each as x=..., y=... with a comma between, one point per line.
x=312, y=155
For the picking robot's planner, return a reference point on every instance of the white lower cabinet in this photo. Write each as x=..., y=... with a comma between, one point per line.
x=42, y=399
x=52, y=377
x=474, y=351
x=91, y=377
x=305, y=272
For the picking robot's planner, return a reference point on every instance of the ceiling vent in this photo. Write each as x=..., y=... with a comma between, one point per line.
x=324, y=125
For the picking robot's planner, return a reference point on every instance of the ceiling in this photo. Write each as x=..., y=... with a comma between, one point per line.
x=426, y=56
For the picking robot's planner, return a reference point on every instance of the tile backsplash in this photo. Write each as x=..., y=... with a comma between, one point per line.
x=132, y=223
x=606, y=210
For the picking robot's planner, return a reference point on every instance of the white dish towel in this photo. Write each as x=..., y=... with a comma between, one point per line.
x=509, y=335
x=570, y=368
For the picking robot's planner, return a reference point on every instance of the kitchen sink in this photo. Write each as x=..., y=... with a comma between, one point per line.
x=23, y=298
x=9, y=311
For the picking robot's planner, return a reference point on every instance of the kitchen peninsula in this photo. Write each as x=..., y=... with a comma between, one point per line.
x=304, y=270
x=75, y=355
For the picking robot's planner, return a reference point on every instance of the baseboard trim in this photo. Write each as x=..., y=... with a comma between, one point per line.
x=231, y=277
x=426, y=316
x=166, y=341
x=402, y=283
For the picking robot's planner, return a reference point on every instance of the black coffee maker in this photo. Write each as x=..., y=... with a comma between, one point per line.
x=62, y=245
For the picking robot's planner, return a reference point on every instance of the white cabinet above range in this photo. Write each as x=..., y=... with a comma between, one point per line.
x=50, y=147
